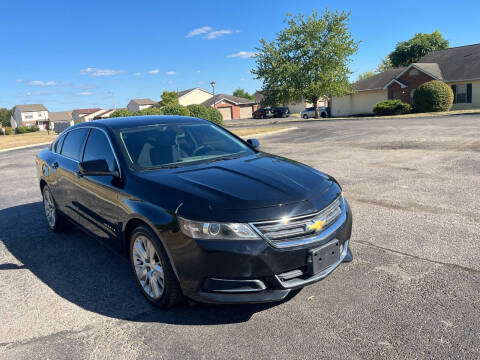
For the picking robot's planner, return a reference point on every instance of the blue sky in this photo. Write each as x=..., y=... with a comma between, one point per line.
x=75, y=54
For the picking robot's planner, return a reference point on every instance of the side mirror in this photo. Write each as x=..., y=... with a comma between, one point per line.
x=254, y=143
x=96, y=168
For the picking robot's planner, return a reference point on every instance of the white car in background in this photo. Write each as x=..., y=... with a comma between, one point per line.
x=310, y=112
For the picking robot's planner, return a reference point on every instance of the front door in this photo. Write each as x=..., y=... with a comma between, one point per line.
x=66, y=184
x=99, y=210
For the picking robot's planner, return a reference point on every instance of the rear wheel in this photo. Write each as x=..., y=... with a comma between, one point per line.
x=305, y=116
x=55, y=221
x=153, y=270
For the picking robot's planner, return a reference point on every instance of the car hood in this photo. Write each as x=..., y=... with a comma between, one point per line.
x=249, y=183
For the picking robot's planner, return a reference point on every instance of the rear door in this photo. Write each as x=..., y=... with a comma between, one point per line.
x=66, y=185
x=98, y=207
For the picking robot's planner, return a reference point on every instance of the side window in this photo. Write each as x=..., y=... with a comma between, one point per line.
x=73, y=143
x=57, y=145
x=98, y=148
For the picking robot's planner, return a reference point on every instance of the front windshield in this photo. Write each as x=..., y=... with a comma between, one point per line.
x=171, y=145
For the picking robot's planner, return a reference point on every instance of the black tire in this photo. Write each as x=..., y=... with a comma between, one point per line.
x=60, y=223
x=305, y=116
x=172, y=294
x=323, y=115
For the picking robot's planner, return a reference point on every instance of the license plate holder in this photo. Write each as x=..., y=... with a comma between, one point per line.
x=325, y=256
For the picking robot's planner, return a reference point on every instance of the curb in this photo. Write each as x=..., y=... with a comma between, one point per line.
x=265, y=134
x=25, y=147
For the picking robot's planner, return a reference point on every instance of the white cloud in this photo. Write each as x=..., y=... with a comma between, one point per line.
x=199, y=31
x=42, y=83
x=85, y=93
x=243, y=54
x=100, y=72
x=214, y=34
x=170, y=82
x=243, y=79
x=171, y=73
x=154, y=72
x=198, y=71
x=138, y=74
x=19, y=80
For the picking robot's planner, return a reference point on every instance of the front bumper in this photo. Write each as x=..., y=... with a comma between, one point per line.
x=249, y=271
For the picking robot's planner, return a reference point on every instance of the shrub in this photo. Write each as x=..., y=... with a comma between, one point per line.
x=176, y=110
x=149, y=111
x=391, y=107
x=121, y=113
x=433, y=96
x=199, y=111
x=21, y=130
x=215, y=116
x=8, y=130
x=32, y=129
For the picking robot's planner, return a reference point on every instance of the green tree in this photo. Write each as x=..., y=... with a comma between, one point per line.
x=149, y=111
x=168, y=98
x=308, y=59
x=199, y=111
x=412, y=50
x=243, y=94
x=121, y=113
x=5, y=115
x=175, y=109
x=385, y=64
x=366, y=74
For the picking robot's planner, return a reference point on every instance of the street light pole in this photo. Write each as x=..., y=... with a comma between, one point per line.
x=213, y=88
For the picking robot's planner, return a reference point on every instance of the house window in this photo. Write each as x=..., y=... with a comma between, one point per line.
x=39, y=114
x=413, y=72
x=461, y=96
x=411, y=94
x=28, y=116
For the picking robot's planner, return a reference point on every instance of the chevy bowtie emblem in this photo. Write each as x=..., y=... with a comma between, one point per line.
x=317, y=225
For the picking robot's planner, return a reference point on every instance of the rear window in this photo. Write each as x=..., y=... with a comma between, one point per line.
x=73, y=144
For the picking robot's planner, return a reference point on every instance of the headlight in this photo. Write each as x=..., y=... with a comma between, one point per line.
x=212, y=230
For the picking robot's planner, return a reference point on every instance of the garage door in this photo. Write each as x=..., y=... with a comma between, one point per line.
x=226, y=112
x=245, y=112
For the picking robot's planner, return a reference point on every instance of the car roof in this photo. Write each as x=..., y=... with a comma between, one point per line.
x=136, y=121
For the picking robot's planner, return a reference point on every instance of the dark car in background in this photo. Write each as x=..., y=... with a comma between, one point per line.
x=262, y=113
x=198, y=211
x=281, y=112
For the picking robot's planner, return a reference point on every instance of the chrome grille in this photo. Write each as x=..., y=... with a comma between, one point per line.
x=281, y=230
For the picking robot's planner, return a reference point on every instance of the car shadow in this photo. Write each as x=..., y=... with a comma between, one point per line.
x=85, y=272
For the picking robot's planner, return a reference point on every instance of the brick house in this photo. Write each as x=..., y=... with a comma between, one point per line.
x=458, y=67
x=232, y=107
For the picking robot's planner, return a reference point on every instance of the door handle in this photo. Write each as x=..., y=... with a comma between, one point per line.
x=55, y=165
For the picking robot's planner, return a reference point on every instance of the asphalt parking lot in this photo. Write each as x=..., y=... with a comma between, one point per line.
x=412, y=291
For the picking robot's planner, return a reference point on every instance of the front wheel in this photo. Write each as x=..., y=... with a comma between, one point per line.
x=153, y=270
x=55, y=221
x=305, y=116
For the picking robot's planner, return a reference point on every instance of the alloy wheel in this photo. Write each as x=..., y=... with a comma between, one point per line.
x=148, y=267
x=49, y=206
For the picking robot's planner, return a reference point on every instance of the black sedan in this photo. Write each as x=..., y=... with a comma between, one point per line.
x=198, y=211
x=281, y=112
x=262, y=113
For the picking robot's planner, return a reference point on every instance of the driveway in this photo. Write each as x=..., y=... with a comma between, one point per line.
x=412, y=290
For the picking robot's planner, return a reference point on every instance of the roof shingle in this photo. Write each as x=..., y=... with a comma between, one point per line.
x=233, y=99
x=31, y=107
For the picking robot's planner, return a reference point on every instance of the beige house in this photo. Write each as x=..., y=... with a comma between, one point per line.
x=30, y=115
x=104, y=115
x=458, y=67
x=140, y=104
x=86, y=115
x=193, y=96
x=60, y=120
